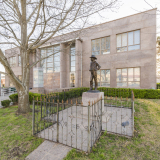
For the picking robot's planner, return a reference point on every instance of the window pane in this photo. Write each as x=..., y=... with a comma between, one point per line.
x=137, y=37
x=50, y=59
x=73, y=58
x=103, y=74
x=105, y=84
x=73, y=69
x=49, y=70
x=119, y=40
x=57, y=49
x=124, y=74
x=93, y=45
x=56, y=58
x=57, y=69
x=124, y=39
x=136, y=74
x=119, y=77
x=108, y=76
x=49, y=64
x=122, y=84
x=49, y=50
x=98, y=75
x=103, y=45
x=133, y=84
x=130, y=74
x=97, y=44
x=96, y=53
x=122, y=49
x=133, y=47
x=56, y=64
x=130, y=38
x=107, y=43
x=73, y=63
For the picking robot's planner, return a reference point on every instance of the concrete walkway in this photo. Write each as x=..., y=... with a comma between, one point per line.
x=49, y=151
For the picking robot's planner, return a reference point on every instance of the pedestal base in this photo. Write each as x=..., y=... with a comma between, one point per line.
x=91, y=96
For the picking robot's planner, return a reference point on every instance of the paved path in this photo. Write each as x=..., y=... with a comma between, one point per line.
x=49, y=151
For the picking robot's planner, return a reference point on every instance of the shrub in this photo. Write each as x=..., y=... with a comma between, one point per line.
x=14, y=97
x=6, y=103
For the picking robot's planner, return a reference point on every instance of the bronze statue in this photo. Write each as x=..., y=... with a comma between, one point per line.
x=94, y=66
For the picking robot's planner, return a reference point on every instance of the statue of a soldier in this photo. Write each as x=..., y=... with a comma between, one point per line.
x=94, y=66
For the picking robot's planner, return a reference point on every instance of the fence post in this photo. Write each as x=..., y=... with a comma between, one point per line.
x=132, y=113
x=89, y=135
x=101, y=113
x=57, y=121
x=33, y=116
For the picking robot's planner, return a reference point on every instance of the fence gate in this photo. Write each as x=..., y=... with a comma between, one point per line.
x=75, y=125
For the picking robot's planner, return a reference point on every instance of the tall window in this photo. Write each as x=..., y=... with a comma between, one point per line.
x=101, y=46
x=19, y=60
x=52, y=63
x=103, y=77
x=128, y=77
x=12, y=61
x=72, y=66
x=128, y=41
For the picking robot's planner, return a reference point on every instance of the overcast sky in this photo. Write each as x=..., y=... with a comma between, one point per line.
x=128, y=7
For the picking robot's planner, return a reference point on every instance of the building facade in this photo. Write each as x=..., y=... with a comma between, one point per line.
x=125, y=48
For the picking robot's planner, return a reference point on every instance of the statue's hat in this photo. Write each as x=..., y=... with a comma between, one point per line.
x=93, y=56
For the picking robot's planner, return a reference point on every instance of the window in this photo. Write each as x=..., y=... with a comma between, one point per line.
x=12, y=61
x=128, y=77
x=128, y=41
x=101, y=46
x=103, y=78
x=72, y=66
x=51, y=63
x=19, y=60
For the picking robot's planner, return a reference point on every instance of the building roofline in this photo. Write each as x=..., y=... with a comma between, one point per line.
x=105, y=22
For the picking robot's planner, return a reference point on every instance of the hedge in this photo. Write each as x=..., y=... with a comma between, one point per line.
x=5, y=103
x=77, y=92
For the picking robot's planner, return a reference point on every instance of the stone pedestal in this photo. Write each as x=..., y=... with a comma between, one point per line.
x=89, y=96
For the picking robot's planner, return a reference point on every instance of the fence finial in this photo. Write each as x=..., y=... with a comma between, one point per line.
x=53, y=100
x=81, y=103
x=111, y=97
x=71, y=101
x=67, y=101
x=57, y=100
x=62, y=101
x=127, y=98
x=116, y=97
x=106, y=97
x=89, y=103
x=76, y=102
x=121, y=97
x=101, y=96
x=37, y=98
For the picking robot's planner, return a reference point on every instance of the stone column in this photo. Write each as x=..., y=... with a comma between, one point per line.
x=78, y=63
x=63, y=67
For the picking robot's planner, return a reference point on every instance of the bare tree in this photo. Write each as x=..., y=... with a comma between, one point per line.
x=28, y=24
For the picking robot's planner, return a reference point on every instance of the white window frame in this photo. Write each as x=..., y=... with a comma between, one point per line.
x=100, y=50
x=128, y=40
x=128, y=78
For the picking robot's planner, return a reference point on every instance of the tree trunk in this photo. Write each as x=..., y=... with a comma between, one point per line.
x=23, y=101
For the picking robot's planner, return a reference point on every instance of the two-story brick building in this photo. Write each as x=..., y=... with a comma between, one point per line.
x=125, y=48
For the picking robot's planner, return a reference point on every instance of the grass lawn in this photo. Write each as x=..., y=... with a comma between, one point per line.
x=16, y=140
x=145, y=145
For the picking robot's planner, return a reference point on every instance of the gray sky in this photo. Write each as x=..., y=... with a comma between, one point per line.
x=127, y=8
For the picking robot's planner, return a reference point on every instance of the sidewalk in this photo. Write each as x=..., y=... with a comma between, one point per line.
x=49, y=151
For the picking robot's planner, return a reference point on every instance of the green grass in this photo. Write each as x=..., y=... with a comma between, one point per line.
x=16, y=140
x=144, y=146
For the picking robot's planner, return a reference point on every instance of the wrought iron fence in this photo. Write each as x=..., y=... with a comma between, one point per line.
x=72, y=124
